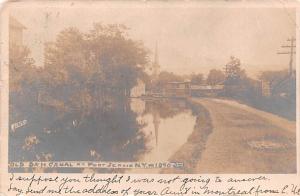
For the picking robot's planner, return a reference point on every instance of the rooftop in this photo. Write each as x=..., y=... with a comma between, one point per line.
x=14, y=23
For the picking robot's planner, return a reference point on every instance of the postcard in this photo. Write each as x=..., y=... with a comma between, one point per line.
x=189, y=92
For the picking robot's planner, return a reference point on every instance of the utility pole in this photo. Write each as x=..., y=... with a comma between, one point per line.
x=291, y=46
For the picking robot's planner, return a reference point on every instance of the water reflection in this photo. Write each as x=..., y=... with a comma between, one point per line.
x=168, y=125
x=151, y=130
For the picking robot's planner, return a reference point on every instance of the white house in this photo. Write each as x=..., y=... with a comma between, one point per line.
x=138, y=90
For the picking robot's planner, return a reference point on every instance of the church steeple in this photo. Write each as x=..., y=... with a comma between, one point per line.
x=156, y=54
x=156, y=61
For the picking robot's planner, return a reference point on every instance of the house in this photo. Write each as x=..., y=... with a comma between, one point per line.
x=177, y=89
x=286, y=87
x=15, y=32
x=265, y=88
x=138, y=90
x=206, y=90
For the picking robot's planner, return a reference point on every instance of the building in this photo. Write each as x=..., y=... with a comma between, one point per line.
x=154, y=73
x=265, y=88
x=155, y=65
x=206, y=90
x=285, y=88
x=15, y=32
x=138, y=90
x=177, y=89
x=186, y=89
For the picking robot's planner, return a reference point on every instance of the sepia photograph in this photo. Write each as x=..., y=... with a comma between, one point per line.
x=157, y=88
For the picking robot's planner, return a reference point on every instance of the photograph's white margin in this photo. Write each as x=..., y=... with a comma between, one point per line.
x=298, y=87
x=4, y=96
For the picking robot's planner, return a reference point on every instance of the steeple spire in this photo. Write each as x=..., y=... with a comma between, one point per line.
x=156, y=55
x=156, y=122
x=156, y=62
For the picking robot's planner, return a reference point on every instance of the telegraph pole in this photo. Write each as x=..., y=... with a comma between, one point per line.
x=291, y=46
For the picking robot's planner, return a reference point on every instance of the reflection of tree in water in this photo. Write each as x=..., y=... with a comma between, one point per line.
x=113, y=134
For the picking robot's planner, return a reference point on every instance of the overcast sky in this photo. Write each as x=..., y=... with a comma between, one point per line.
x=190, y=38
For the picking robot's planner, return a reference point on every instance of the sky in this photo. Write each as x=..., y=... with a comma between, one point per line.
x=190, y=39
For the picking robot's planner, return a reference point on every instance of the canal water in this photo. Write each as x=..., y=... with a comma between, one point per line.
x=150, y=131
x=168, y=126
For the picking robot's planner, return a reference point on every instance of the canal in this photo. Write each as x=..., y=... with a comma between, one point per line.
x=150, y=131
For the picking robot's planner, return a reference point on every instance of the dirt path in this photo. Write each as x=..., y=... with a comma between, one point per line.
x=246, y=140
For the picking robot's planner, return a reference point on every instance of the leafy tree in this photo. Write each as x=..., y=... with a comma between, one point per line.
x=21, y=67
x=233, y=71
x=165, y=77
x=237, y=83
x=196, y=78
x=215, y=77
x=65, y=57
x=120, y=59
x=103, y=64
x=89, y=76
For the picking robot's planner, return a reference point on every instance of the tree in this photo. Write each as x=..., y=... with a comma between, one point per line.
x=103, y=64
x=237, y=83
x=64, y=57
x=121, y=59
x=215, y=77
x=233, y=71
x=196, y=78
x=21, y=67
x=89, y=76
x=164, y=77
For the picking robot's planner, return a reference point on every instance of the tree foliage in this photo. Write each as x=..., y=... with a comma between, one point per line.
x=103, y=64
x=22, y=70
x=165, y=77
x=83, y=87
x=215, y=77
x=234, y=73
x=196, y=78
